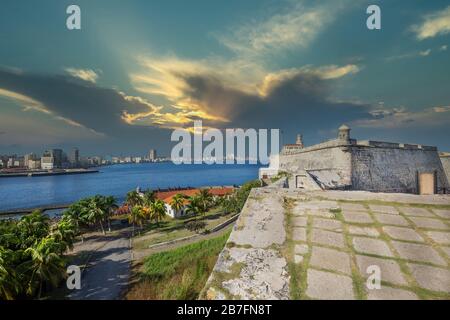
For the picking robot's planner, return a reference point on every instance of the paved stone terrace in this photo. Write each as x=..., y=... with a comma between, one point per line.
x=291, y=245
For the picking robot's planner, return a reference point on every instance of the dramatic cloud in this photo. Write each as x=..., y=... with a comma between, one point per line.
x=297, y=26
x=434, y=24
x=98, y=110
x=83, y=74
x=402, y=118
x=417, y=54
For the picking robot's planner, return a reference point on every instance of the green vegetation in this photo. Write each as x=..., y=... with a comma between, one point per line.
x=235, y=203
x=178, y=274
x=31, y=255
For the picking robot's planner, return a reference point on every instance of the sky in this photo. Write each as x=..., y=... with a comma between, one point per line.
x=138, y=69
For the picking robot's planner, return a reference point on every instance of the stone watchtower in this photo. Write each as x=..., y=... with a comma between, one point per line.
x=299, y=141
x=344, y=133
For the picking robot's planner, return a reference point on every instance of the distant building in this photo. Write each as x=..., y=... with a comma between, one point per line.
x=152, y=155
x=74, y=157
x=34, y=164
x=47, y=162
x=137, y=159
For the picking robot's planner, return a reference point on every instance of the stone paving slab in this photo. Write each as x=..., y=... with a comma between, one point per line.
x=372, y=246
x=363, y=231
x=357, y=217
x=418, y=252
x=429, y=223
x=299, y=234
x=388, y=293
x=300, y=221
x=431, y=278
x=328, y=238
x=327, y=224
x=390, y=270
x=401, y=233
x=353, y=206
x=417, y=212
x=391, y=219
x=383, y=209
x=329, y=286
x=301, y=249
x=446, y=250
x=442, y=213
x=439, y=237
x=330, y=259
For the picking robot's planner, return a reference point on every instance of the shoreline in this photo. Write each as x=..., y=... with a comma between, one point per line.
x=47, y=173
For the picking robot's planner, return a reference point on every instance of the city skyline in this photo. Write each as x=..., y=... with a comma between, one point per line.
x=128, y=78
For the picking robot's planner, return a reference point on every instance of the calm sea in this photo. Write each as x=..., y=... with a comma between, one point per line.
x=116, y=180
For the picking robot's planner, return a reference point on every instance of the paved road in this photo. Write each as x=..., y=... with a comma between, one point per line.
x=109, y=269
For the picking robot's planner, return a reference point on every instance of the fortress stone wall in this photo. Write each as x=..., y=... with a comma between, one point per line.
x=445, y=160
x=349, y=164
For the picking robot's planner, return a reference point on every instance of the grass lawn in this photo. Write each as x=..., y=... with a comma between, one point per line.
x=179, y=274
x=170, y=229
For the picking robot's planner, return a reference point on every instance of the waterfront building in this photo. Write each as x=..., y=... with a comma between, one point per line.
x=34, y=164
x=47, y=161
x=152, y=155
x=74, y=157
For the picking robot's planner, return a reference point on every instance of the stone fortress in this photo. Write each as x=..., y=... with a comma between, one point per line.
x=330, y=211
x=349, y=164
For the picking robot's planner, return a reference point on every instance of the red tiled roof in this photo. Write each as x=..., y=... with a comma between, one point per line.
x=167, y=196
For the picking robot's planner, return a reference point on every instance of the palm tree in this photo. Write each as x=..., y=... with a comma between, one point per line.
x=110, y=206
x=44, y=266
x=137, y=215
x=149, y=198
x=95, y=212
x=9, y=286
x=193, y=207
x=205, y=199
x=177, y=202
x=158, y=211
x=134, y=199
x=33, y=227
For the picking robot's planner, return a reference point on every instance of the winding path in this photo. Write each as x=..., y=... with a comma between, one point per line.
x=109, y=269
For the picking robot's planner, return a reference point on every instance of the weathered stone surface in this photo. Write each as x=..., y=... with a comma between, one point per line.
x=352, y=207
x=372, y=246
x=261, y=222
x=298, y=258
x=390, y=270
x=418, y=252
x=321, y=213
x=391, y=219
x=328, y=238
x=327, y=224
x=401, y=233
x=302, y=207
x=330, y=259
x=329, y=286
x=418, y=212
x=300, y=221
x=388, y=293
x=431, y=278
x=357, y=217
x=446, y=250
x=442, y=213
x=439, y=237
x=383, y=209
x=262, y=274
x=301, y=249
x=299, y=234
x=429, y=223
x=363, y=231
